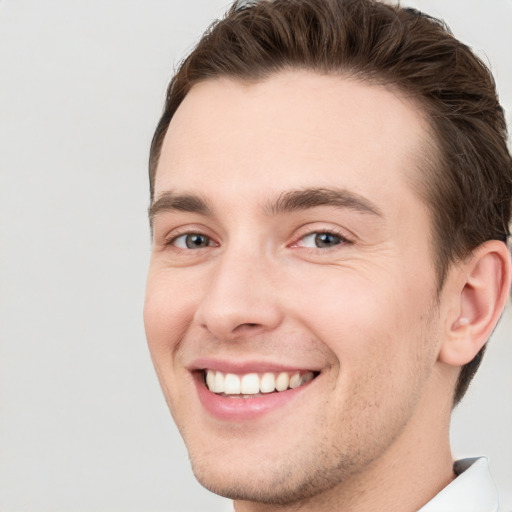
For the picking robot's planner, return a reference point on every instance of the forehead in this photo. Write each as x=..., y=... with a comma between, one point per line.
x=295, y=129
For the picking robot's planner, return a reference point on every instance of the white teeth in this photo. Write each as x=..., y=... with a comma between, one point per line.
x=268, y=383
x=282, y=381
x=219, y=383
x=210, y=381
x=232, y=384
x=252, y=383
x=295, y=380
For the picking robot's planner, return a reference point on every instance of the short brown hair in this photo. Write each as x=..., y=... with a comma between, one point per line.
x=467, y=185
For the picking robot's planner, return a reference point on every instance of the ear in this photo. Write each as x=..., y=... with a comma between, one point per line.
x=477, y=291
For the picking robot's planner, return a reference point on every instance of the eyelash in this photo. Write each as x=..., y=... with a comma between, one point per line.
x=171, y=242
x=343, y=240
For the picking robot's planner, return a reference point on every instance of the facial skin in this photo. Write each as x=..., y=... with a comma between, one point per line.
x=260, y=290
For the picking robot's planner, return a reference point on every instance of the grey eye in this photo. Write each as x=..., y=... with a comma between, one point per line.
x=321, y=240
x=192, y=241
x=326, y=240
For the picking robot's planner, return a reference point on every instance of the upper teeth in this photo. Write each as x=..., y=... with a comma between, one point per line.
x=254, y=383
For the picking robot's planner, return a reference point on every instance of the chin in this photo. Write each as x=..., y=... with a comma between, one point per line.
x=282, y=483
x=256, y=490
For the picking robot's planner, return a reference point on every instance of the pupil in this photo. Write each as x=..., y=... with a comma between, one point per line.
x=326, y=240
x=195, y=241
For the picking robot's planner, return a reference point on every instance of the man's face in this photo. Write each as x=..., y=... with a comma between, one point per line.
x=290, y=248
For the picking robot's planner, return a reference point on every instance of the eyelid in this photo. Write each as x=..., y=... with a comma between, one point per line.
x=174, y=241
x=190, y=229
x=309, y=230
x=313, y=238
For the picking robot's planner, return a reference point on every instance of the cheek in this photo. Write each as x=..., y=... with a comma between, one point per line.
x=379, y=337
x=372, y=327
x=167, y=315
x=345, y=309
x=168, y=310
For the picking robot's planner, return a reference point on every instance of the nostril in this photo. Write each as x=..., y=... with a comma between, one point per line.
x=248, y=327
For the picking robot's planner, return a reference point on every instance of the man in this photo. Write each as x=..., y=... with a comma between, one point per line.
x=330, y=199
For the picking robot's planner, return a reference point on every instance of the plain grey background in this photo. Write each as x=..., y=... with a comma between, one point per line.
x=83, y=425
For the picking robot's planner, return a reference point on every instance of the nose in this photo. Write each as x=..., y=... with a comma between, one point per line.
x=241, y=297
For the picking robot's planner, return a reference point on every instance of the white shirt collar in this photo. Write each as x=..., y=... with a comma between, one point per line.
x=472, y=491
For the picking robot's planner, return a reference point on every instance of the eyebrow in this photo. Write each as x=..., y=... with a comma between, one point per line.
x=297, y=200
x=290, y=201
x=170, y=201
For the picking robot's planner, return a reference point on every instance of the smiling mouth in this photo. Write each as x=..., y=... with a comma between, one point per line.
x=254, y=384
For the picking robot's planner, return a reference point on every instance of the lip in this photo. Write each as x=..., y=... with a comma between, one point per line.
x=238, y=409
x=243, y=367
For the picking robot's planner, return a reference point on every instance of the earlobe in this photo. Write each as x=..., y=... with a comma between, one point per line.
x=480, y=288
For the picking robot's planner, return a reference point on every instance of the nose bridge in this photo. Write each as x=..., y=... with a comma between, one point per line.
x=241, y=293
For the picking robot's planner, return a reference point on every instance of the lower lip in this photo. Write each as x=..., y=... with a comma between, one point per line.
x=243, y=409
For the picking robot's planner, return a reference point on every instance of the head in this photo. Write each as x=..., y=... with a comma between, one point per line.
x=466, y=176
x=328, y=179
